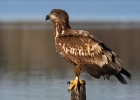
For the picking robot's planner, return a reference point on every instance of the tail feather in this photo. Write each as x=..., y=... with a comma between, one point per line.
x=120, y=78
x=123, y=71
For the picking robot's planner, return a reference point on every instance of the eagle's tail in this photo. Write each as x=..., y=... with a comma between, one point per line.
x=120, y=77
x=124, y=72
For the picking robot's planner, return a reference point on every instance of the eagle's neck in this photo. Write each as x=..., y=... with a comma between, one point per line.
x=60, y=27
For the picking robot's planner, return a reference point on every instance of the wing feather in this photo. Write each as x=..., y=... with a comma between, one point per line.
x=89, y=53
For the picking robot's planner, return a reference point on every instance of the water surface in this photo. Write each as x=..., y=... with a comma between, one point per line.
x=39, y=86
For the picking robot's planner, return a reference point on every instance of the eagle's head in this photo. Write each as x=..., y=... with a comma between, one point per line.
x=57, y=15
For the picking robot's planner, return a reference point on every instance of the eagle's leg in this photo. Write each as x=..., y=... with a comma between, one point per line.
x=76, y=83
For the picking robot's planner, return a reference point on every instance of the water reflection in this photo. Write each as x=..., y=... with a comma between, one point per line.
x=30, y=69
x=38, y=86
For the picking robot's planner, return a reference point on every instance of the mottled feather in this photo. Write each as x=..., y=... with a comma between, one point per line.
x=84, y=49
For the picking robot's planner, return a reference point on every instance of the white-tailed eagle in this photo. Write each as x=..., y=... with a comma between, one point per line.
x=84, y=51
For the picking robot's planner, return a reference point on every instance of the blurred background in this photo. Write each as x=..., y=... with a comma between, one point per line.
x=30, y=68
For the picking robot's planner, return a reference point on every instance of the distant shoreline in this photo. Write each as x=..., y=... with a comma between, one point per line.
x=77, y=25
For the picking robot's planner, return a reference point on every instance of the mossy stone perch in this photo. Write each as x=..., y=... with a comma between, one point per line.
x=78, y=94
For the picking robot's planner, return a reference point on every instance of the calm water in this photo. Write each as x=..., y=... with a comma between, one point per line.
x=39, y=86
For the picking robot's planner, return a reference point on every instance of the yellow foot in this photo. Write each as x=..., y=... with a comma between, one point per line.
x=75, y=84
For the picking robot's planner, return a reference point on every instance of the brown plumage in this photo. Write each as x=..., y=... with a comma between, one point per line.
x=83, y=50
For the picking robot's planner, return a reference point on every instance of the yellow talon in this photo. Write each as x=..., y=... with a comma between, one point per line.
x=75, y=84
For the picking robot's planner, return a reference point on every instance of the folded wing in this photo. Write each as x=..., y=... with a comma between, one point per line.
x=90, y=54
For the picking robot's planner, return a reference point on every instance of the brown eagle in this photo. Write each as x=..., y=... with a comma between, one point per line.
x=84, y=51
